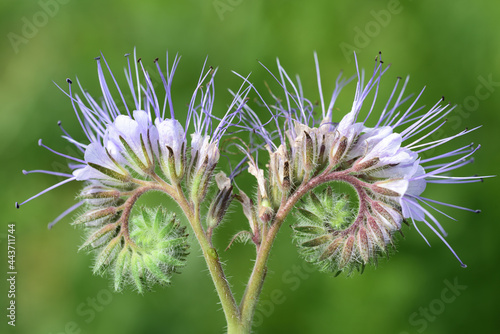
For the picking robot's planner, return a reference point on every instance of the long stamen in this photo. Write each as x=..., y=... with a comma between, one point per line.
x=26, y=172
x=65, y=213
x=18, y=205
x=60, y=154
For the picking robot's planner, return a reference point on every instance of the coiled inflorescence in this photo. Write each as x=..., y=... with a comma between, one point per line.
x=384, y=163
x=135, y=146
x=141, y=249
x=329, y=234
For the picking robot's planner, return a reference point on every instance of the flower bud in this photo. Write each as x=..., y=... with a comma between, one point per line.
x=98, y=195
x=221, y=202
x=265, y=211
x=329, y=235
x=308, y=153
x=155, y=249
x=172, y=146
x=200, y=181
x=337, y=151
x=97, y=217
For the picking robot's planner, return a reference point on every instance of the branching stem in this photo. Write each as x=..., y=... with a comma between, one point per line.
x=256, y=281
x=239, y=319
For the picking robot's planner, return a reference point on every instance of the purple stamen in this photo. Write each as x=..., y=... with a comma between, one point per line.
x=46, y=190
x=60, y=154
x=26, y=172
x=65, y=213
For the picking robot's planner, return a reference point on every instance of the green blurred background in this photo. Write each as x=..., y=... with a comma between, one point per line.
x=449, y=46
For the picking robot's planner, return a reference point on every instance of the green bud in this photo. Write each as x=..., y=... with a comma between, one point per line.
x=106, y=255
x=200, y=182
x=309, y=229
x=332, y=249
x=97, y=238
x=329, y=235
x=122, y=260
x=96, y=195
x=155, y=249
x=221, y=202
x=173, y=167
x=308, y=153
x=97, y=217
x=363, y=244
x=337, y=151
x=347, y=253
x=317, y=241
x=265, y=211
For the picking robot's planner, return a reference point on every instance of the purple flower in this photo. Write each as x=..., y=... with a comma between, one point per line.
x=126, y=142
x=384, y=162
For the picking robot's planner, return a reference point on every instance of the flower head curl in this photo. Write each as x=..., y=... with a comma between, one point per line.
x=384, y=164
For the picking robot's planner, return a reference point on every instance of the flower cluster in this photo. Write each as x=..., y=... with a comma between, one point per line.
x=133, y=148
x=383, y=163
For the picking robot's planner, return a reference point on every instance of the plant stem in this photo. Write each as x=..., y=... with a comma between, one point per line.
x=228, y=302
x=239, y=319
x=214, y=265
x=256, y=281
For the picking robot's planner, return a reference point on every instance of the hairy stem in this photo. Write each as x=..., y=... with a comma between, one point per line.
x=256, y=281
x=228, y=302
x=192, y=213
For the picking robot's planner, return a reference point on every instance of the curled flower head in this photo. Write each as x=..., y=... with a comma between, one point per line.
x=384, y=163
x=132, y=148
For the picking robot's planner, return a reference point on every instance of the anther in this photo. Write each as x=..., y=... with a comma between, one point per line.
x=477, y=211
x=156, y=60
x=139, y=60
x=40, y=142
x=97, y=58
x=17, y=205
x=68, y=80
x=442, y=98
x=126, y=55
x=25, y=172
x=59, y=123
